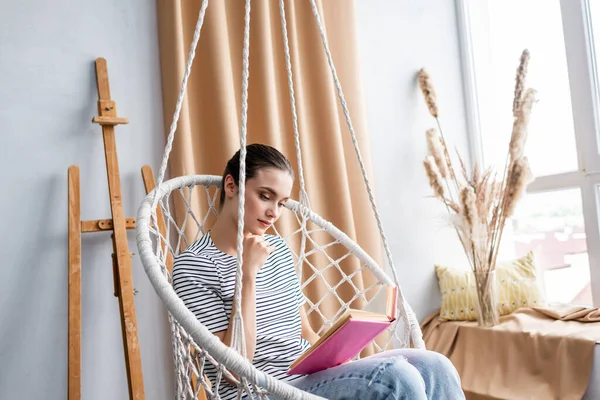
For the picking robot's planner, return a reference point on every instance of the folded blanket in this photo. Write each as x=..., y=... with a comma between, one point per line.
x=569, y=312
x=528, y=355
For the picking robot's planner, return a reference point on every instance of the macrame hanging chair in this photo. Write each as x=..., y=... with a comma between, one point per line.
x=160, y=238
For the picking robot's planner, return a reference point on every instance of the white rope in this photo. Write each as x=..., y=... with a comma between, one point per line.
x=188, y=70
x=303, y=193
x=351, y=129
x=173, y=128
x=344, y=105
x=288, y=66
x=238, y=335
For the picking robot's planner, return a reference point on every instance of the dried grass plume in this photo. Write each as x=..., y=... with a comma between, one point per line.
x=520, y=81
x=469, y=210
x=426, y=86
x=520, y=125
x=519, y=178
x=436, y=150
x=435, y=178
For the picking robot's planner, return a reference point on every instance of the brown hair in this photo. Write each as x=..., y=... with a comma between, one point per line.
x=258, y=156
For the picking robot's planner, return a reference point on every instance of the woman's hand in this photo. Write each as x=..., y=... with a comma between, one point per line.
x=256, y=251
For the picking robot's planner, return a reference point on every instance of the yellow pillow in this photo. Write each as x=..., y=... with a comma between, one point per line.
x=516, y=287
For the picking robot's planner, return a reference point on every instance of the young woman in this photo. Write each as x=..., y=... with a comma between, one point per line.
x=276, y=327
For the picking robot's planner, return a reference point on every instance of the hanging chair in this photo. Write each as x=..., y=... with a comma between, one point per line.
x=315, y=245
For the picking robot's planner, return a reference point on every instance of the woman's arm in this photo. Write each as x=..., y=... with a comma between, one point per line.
x=249, y=315
x=307, y=331
x=256, y=251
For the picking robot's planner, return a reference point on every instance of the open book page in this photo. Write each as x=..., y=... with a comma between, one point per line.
x=391, y=302
x=366, y=315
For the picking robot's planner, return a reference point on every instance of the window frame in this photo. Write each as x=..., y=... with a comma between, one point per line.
x=583, y=78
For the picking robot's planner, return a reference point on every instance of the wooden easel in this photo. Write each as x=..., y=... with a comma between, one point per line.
x=121, y=259
x=118, y=225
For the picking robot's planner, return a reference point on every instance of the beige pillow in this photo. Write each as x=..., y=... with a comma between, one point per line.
x=516, y=286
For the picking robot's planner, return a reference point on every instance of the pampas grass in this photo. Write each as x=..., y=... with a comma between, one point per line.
x=428, y=92
x=520, y=81
x=479, y=202
x=435, y=148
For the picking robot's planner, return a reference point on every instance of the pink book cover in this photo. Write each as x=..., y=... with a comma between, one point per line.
x=340, y=347
x=348, y=340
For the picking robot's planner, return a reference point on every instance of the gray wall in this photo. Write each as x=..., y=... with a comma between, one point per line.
x=47, y=53
x=48, y=99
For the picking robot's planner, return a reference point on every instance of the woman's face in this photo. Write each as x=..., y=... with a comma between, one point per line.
x=265, y=195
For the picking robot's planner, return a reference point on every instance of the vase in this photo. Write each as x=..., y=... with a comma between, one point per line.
x=487, y=304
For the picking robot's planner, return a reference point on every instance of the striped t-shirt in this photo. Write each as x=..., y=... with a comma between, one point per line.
x=204, y=278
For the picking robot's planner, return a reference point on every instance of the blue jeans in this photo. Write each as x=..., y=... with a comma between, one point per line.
x=391, y=375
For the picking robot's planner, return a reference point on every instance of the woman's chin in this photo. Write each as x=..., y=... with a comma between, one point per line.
x=256, y=231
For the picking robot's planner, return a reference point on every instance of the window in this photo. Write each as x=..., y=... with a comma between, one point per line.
x=558, y=219
x=551, y=224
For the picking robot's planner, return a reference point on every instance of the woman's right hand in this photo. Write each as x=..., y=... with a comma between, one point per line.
x=256, y=251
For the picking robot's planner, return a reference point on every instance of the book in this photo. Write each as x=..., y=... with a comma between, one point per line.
x=346, y=338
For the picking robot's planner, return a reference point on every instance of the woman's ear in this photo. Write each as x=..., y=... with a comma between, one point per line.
x=230, y=186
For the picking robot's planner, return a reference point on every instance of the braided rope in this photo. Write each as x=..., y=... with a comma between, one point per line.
x=344, y=105
x=186, y=75
x=288, y=66
x=175, y=340
x=303, y=193
x=238, y=336
x=404, y=309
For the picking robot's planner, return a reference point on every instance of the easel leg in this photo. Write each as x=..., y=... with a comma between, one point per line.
x=108, y=114
x=74, y=369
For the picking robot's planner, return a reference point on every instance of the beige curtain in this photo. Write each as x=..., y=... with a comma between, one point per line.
x=209, y=129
